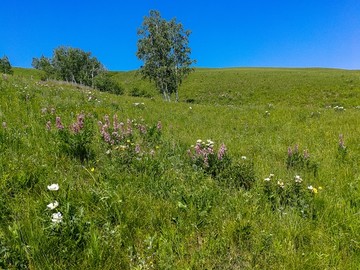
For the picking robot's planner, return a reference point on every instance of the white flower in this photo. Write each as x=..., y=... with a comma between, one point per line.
x=199, y=141
x=53, y=187
x=271, y=175
x=56, y=217
x=267, y=179
x=310, y=187
x=298, y=179
x=53, y=205
x=243, y=157
x=281, y=184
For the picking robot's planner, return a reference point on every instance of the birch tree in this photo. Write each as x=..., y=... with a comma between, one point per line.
x=163, y=46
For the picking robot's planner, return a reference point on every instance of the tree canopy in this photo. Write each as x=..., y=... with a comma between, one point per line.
x=163, y=47
x=71, y=65
x=76, y=66
x=5, y=66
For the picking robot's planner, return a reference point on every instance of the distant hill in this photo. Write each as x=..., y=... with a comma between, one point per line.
x=239, y=86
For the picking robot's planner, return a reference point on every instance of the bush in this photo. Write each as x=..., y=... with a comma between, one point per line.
x=5, y=66
x=105, y=83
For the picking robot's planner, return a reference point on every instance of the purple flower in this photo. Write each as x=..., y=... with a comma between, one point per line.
x=341, y=142
x=59, y=125
x=290, y=153
x=222, y=151
x=137, y=149
x=80, y=120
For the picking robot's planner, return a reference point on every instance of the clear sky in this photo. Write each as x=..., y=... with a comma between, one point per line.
x=225, y=33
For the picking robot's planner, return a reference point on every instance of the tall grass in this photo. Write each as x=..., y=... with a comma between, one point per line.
x=140, y=202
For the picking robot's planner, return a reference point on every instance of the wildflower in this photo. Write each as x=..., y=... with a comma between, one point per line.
x=53, y=205
x=243, y=157
x=53, y=187
x=48, y=125
x=199, y=141
x=306, y=154
x=267, y=179
x=159, y=126
x=92, y=169
x=290, y=153
x=271, y=175
x=298, y=179
x=320, y=188
x=4, y=125
x=313, y=189
x=43, y=110
x=341, y=142
x=108, y=152
x=281, y=184
x=222, y=151
x=137, y=149
x=59, y=125
x=56, y=218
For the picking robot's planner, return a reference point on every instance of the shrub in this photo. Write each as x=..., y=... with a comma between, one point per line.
x=105, y=83
x=5, y=66
x=136, y=92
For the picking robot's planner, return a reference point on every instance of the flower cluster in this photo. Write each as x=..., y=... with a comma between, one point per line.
x=76, y=139
x=117, y=132
x=296, y=160
x=293, y=194
x=56, y=217
x=203, y=155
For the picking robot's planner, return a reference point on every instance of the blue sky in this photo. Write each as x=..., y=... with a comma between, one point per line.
x=226, y=33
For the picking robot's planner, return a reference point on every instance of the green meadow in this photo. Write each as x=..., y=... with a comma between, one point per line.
x=273, y=183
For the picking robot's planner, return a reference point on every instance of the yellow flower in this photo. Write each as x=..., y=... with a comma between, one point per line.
x=320, y=188
x=92, y=169
x=315, y=190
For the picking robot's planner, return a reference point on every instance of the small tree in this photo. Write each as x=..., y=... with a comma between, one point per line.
x=71, y=65
x=5, y=66
x=163, y=47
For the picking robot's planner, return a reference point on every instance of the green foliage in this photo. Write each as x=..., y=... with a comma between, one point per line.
x=163, y=46
x=76, y=140
x=128, y=209
x=5, y=66
x=221, y=166
x=296, y=160
x=70, y=65
x=105, y=83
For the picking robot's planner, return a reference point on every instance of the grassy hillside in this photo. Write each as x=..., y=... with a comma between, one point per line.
x=255, y=86
x=283, y=195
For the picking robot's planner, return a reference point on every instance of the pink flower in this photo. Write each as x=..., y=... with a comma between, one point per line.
x=137, y=149
x=222, y=151
x=59, y=125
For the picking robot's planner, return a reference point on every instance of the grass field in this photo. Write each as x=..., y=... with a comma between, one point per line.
x=146, y=195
